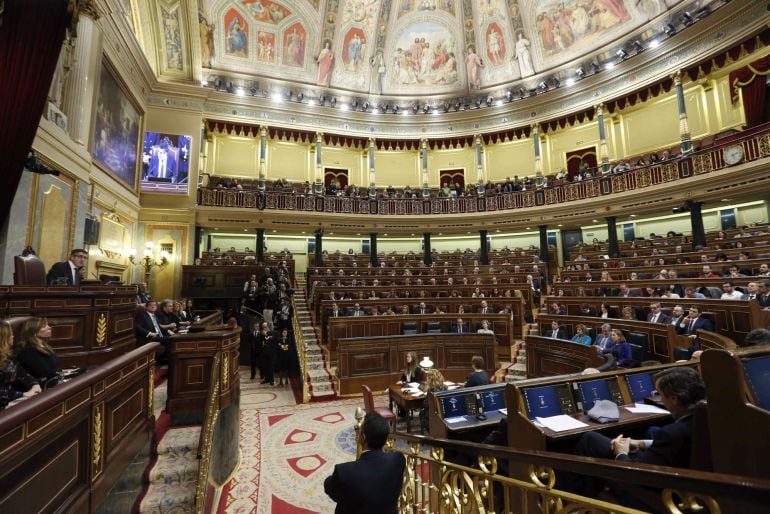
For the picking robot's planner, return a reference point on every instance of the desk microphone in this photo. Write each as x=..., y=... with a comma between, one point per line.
x=481, y=416
x=480, y=408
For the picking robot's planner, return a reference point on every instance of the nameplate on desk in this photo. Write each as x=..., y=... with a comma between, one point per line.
x=561, y=423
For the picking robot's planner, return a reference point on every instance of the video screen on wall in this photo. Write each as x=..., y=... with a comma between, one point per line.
x=165, y=163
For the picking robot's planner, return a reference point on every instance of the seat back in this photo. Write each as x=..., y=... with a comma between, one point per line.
x=368, y=399
x=700, y=445
x=409, y=327
x=16, y=325
x=640, y=344
x=28, y=271
x=434, y=327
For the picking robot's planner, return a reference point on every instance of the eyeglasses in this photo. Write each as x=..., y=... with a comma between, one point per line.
x=80, y=256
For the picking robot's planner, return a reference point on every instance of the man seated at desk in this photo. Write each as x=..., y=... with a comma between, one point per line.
x=680, y=390
x=68, y=272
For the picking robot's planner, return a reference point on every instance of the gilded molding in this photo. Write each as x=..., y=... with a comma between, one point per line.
x=97, y=441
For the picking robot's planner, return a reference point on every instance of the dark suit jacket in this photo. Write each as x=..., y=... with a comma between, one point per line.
x=465, y=328
x=369, y=485
x=38, y=364
x=61, y=270
x=561, y=333
x=700, y=323
x=144, y=326
x=477, y=378
x=662, y=318
x=670, y=447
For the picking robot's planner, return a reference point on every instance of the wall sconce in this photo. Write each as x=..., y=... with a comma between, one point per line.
x=149, y=260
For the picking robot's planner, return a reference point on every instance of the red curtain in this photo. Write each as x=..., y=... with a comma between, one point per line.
x=751, y=81
x=578, y=157
x=31, y=37
x=452, y=176
x=332, y=174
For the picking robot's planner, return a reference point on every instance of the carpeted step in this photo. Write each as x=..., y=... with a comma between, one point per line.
x=169, y=498
x=180, y=442
x=173, y=469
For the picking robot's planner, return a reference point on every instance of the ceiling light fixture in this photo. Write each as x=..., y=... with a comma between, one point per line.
x=543, y=86
x=365, y=106
x=687, y=19
x=669, y=29
x=509, y=95
x=638, y=46
x=333, y=101
x=580, y=72
x=653, y=44
x=522, y=93
x=622, y=54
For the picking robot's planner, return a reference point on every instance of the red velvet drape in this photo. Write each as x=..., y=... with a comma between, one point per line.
x=31, y=37
x=751, y=81
x=577, y=157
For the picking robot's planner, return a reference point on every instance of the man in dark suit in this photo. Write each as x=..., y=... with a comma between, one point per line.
x=264, y=344
x=422, y=309
x=680, y=389
x=484, y=309
x=691, y=323
x=604, y=342
x=371, y=484
x=68, y=272
x=459, y=327
x=656, y=315
x=557, y=331
x=148, y=329
x=254, y=355
x=335, y=311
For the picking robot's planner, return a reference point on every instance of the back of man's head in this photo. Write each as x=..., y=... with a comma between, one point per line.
x=375, y=430
x=682, y=384
x=756, y=337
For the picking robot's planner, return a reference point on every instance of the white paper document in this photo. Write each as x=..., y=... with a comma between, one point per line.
x=414, y=385
x=561, y=423
x=448, y=383
x=456, y=419
x=504, y=412
x=643, y=408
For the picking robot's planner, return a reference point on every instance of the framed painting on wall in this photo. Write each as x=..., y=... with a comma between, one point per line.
x=117, y=124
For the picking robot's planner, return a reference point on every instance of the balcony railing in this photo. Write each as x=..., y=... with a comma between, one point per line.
x=755, y=144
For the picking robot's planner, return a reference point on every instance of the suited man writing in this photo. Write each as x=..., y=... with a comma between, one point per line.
x=371, y=484
x=68, y=272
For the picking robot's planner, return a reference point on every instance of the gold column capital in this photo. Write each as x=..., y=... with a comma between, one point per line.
x=677, y=77
x=263, y=131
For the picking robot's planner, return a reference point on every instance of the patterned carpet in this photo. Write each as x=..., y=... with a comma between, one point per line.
x=287, y=451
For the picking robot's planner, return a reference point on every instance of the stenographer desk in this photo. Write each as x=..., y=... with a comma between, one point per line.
x=466, y=413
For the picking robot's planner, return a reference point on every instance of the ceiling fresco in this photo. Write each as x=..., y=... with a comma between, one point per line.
x=411, y=47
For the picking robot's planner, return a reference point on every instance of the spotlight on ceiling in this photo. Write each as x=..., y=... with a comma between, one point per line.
x=543, y=86
x=229, y=87
x=218, y=83
x=288, y=95
x=333, y=101
x=240, y=91
x=556, y=82
x=300, y=96
x=522, y=93
x=687, y=19
x=416, y=107
x=702, y=12
x=489, y=101
x=509, y=95
x=622, y=54
x=446, y=106
x=426, y=108
x=669, y=29
x=354, y=104
x=322, y=99
x=458, y=103
x=365, y=106
x=478, y=103
x=580, y=72
x=570, y=81
x=638, y=46
x=655, y=43
x=253, y=91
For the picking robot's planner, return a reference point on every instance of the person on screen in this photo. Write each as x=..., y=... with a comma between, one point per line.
x=412, y=372
x=478, y=376
x=372, y=483
x=680, y=390
x=580, y=336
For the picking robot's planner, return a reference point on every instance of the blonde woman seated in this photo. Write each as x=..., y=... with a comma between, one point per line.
x=485, y=328
x=434, y=382
x=580, y=336
x=34, y=353
x=15, y=382
x=413, y=372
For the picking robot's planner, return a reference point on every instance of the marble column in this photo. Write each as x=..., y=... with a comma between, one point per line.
x=372, y=183
x=538, y=159
x=479, y=165
x=684, y=127
x=318, y=187
x=483, y=250
x=80, y=93
x=424, y=158
x=262, y=158
x=427, y=258
x=612, y=236
x=373, y=249
x=604, y=155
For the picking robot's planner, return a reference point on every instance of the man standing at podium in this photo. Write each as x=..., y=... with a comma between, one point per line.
x=68, y=272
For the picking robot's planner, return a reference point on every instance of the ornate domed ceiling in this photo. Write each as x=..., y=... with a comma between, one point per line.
x=420, y=47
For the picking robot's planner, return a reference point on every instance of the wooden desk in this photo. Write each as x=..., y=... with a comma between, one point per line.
x=221, y=282
x=190, y=369
x=63, y=450
x=547, y=356
x=378, y=361
x=91, y=324
x=408, y=402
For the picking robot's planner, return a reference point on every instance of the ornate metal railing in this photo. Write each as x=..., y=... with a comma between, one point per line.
x=477, y=483
x=754, y=143
x=210, y=415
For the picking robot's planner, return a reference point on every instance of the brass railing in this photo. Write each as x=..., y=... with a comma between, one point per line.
x=755, y=144
x=210, y=415
x=299, y=343
x=436, y=484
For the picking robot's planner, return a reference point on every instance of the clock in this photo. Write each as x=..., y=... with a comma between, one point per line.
x=733, y=154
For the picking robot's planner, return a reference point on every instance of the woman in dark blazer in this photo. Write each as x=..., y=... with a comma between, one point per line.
x=15, y=382
x=34, y=353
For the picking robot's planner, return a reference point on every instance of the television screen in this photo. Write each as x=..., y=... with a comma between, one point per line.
x=492, y=400
x=453, y=406
x=165, y=163
x=757, y=371
x=542, y=402
x=640, y=385
x=593, y=390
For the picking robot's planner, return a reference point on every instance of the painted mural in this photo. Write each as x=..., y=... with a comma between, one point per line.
x=495, y=44
x=354, y=49
x=425, y=54
x=325, y=61
x=294, y=40
x=409, y=6
x=265, y=47
x=361, y=11
x=266, y=11
x=236, y=36
x=172, y=38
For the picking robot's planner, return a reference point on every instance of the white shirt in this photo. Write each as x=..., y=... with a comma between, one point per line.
x=735, y=295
